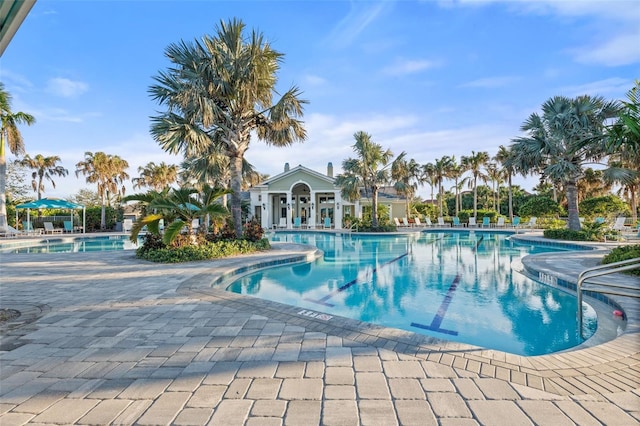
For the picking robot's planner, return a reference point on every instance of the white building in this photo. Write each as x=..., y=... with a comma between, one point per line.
x=303, y=198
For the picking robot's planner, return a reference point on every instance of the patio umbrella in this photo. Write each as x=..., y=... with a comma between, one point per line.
x=53, y=203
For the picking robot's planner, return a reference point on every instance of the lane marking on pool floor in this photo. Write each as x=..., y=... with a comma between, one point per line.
x=475, y=249
x=437, y=319
x=323, y=300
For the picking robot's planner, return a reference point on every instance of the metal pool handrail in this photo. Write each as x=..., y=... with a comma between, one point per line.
x=601, y=270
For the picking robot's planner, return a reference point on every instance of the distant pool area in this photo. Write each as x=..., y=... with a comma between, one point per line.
x=69, y=244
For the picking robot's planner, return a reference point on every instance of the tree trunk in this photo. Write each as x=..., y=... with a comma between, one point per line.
x=235, y=163
x=510, y=200
x=634, y=203
x=475, y=197
x=572, y=205
x=374, y=207
x=3, y=186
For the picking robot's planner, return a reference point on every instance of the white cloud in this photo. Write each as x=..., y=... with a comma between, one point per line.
x=611, y=87
x=313, y=80
x=66, y=88
x=623, y=49
x=409, y=66
x=492, y=82
x=361, y=15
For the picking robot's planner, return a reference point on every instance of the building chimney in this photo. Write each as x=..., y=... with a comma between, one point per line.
x=286, y=167
x=330, y=169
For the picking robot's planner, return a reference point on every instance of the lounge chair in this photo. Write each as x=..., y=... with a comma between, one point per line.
x=68, y=226
x=500, y=222
x=396, y=222
x=127, y=224
x=417, y=222
x=11, y=232
x=282, y=223
x=531, y=224
x=486, y=222
x=515, y=223
x=297, y=222
x=327, y=222
x=472, y=222
x=441, y=221
x=456, y=221
x=427, y=221
x=195, y=225
x=27, y=228
x=405, y=222
x=619, y=224
x=49, y=229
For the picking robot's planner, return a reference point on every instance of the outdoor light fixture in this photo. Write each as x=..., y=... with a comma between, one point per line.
x=288, y=206
x=338, y=206
x=264, y=206
x=312, y=206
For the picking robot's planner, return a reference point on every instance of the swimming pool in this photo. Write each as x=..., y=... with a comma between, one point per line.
x=461, y=286
x=69, y=244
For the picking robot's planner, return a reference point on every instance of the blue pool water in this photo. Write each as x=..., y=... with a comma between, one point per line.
x=67, y=244
x=459, y=286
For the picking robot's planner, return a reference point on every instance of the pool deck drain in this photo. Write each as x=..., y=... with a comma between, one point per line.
x=112, y=339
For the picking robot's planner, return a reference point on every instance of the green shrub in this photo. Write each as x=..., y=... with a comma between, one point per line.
x=566, y=234
x=253, y=231
x=204, y=251
x=608, y=205
x=540, y=207
x=551, y=223
x=623, y=253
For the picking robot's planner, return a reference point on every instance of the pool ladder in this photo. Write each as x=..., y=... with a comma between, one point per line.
x=606, y=288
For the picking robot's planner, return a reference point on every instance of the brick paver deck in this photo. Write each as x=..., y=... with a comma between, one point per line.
x=105, y=338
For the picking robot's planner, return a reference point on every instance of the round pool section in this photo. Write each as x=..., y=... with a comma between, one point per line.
x=69, y=244
x=467, y=287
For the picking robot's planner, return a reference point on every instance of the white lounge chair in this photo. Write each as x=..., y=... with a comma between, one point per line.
x=396, y=222
x=500, y=222
x=11, y=232
x=619, y=224
x=49, y=229
x=282, y=223
x=441, y=221
x=127, y=224
x=472, y=222
x=532, y=223
x=417, y=222
x=405, y=222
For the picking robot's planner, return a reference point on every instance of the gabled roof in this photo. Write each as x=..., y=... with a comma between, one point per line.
x=298, y=169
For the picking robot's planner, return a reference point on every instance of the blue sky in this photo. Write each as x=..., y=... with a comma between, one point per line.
x=430, y=78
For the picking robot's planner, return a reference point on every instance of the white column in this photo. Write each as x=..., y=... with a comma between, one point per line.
x=311, y=223
x=339, y=208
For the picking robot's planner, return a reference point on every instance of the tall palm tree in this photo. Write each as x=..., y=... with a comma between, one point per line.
x=369, y=171
x=9, y=136
x=156, y=176
x=474, y=163
x=218, y=92
x=44, y=169
x=106, y=170
x=455, y=172
x=593, y=184
x=496, y=176
x=429, y=176
x=405, y=175
x=503, y=157
x=567, y=135
x=442, y=169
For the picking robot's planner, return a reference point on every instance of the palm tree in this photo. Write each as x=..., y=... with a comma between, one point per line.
x=474, y=163
x=156, y=176
x=503, y=156
x=406, y=175
x=45, y=168
x=108, y=171
x=218, y=92
x=569, y=134
x=496, y=176
x=369, y=171
x=455, y=173
x=442, y=169
x=429, y=176
x=9, y=136
x=626, y=130
x=593, y=184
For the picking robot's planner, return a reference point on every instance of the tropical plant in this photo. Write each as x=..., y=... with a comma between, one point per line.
x=503, y=156
x=405, y=175
x=429, y=176
x=368, y=172
x=108, y=172
x=442, y=169
x=455, y=172
x=608, y=205
x=567, y=135
x=625, y=132
x=156, y=176
x=496, y=176
x=86, y=197
x=592, y=184
x=540, y=206
x=178, y=208
x=10, y=137
x=44, y=169
x=17, y=189
x=218, y=92
x=474, y=163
